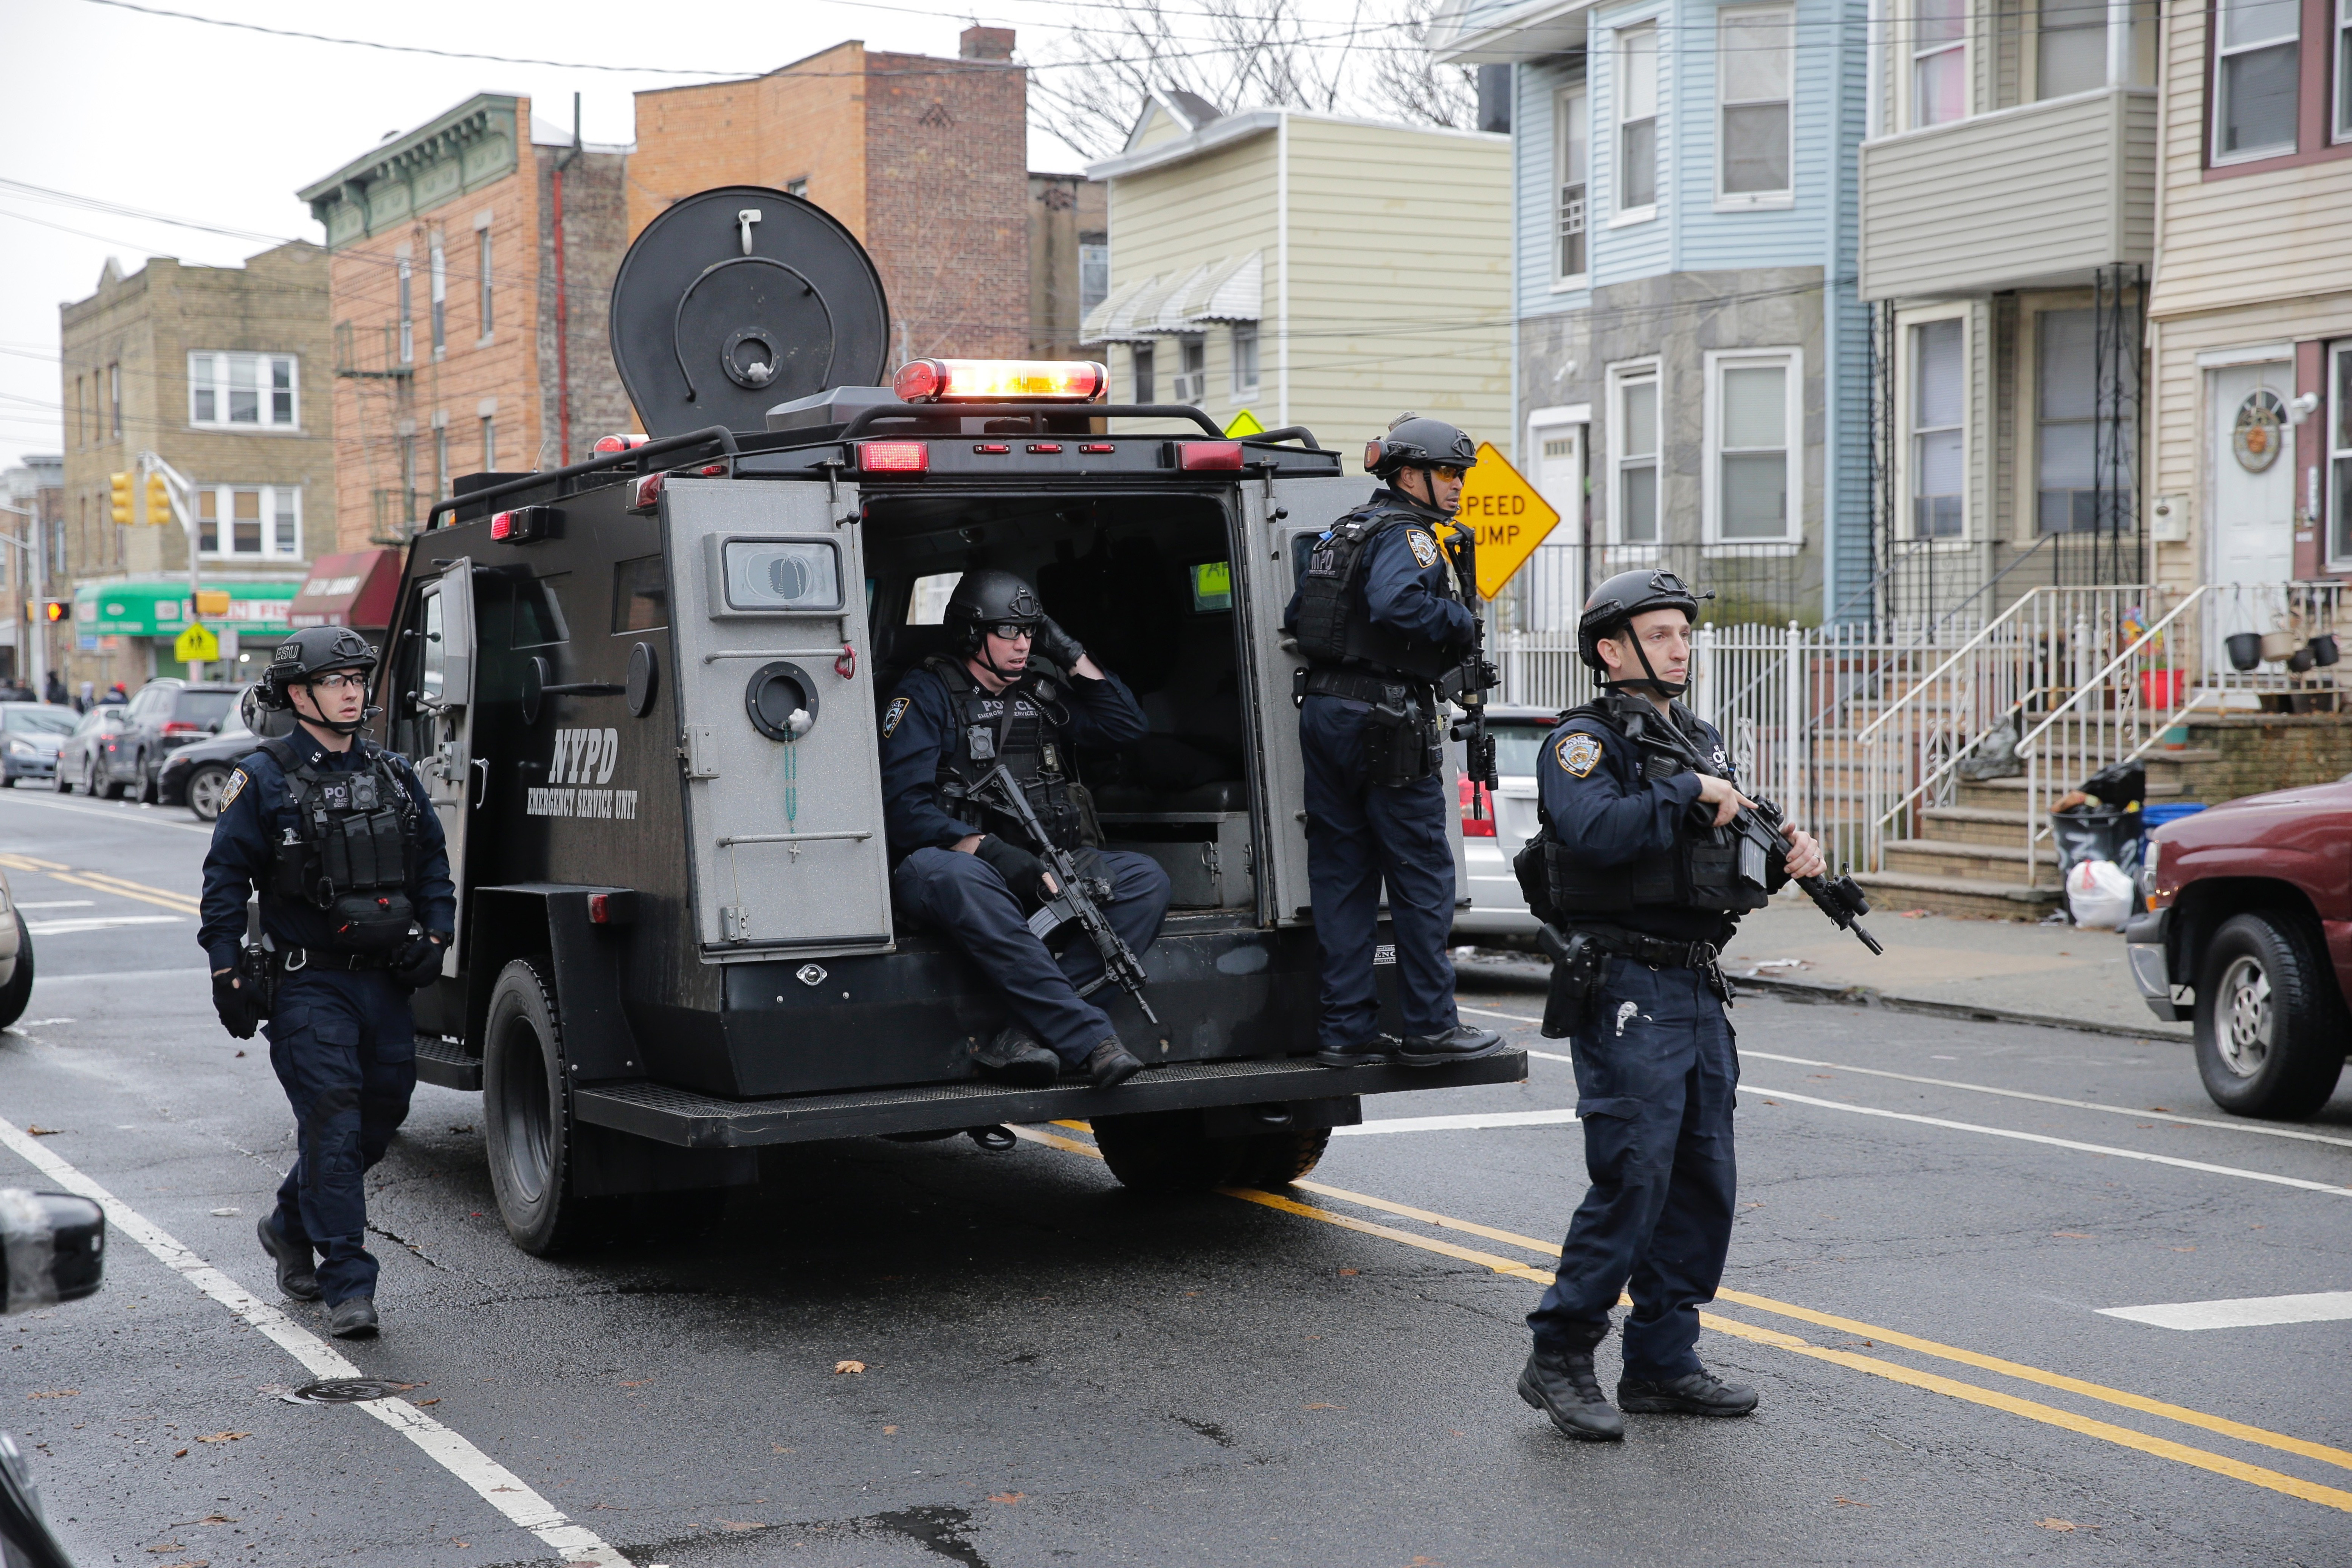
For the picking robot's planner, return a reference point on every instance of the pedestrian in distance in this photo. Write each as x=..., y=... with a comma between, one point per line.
x=1387, y=635
x=115, y=693
x=55, y=689
x=338, y=837
x=1639, y=880
x=1019, y=691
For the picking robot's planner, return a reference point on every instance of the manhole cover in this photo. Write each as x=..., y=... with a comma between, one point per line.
x=344, y=1391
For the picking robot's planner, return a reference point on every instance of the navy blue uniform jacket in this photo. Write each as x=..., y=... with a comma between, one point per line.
x=256, y=812
x=1605, y=814
x=921, y=719
x=1404, y=581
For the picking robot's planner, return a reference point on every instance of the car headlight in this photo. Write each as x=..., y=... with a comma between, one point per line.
x=23, y=749
x=2147, y=873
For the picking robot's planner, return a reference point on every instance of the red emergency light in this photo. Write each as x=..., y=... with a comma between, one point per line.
x=645, y=494
x=894, y=457
x=1196, y=457
x=620, y=443
x=998, y=380
x=524, y=524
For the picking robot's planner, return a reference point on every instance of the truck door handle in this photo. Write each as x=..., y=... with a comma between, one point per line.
x=483, y=763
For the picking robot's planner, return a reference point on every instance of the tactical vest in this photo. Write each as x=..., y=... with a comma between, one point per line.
x=1335, y=625
x=1029, y=745
x=1710, y=869
x=349, y=851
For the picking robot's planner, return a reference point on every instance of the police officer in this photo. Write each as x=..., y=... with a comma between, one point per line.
x=1647, y=884
x=342, y=842
x=1381, y=620
x=1019, y=690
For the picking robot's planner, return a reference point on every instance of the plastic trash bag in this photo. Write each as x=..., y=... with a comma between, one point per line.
x=2091, y=833
x=2099, y=895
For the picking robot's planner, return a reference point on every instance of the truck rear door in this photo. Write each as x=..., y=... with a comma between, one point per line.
x=445, y=705
x=775, y=689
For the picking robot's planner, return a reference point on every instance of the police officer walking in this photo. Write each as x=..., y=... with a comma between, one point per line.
x=1381, y=620
x=1019, y=691
x=357, y=907
x=1644, y=883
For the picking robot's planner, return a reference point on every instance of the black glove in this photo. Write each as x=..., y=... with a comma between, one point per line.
x=233, y=1002
x=1023, y=872
x=1057, y=645
x=418, y=964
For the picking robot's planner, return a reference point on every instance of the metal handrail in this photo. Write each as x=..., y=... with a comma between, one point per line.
x=704, y=438
x=2111, y=667
x=1962, y=652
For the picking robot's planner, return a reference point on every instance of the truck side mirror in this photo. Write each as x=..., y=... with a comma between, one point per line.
x=55, y=1246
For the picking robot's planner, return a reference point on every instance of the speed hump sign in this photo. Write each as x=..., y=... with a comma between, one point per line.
x=198, y=644
x=1508, y=515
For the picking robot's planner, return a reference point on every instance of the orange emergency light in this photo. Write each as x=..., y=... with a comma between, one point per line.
x=989, y=380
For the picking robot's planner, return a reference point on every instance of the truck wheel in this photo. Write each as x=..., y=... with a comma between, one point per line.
x=1165, y=1151
x=527, y=1111
x=17, y=994
x=1279, y=1159
x=2270, y=1025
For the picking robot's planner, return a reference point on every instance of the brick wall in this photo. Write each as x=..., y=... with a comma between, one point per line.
x=804, y=121
x=2261, y=752
x=595, y=236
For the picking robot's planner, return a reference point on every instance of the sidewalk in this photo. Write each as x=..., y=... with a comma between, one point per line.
x=2060, y=975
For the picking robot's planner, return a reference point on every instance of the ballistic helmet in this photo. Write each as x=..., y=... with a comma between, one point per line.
x=989, y=598
x=312, y=652
x=1617, y=600
x=1414, y=442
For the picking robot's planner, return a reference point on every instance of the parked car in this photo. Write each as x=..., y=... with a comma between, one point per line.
x=79, y=761
x=30, y=735
x=15, y=957
x=1497, y=914
x=163, y=716
x=196, y=774
x=2247, y=929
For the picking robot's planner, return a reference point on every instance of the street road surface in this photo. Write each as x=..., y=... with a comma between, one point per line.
x=1939, y=1222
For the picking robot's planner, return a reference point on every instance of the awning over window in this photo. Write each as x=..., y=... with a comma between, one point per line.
x=1126, y=317
x=148, y=609
x=1232, y=290
x=353, y=589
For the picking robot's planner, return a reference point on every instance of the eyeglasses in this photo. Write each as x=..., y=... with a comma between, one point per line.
x=335, y=681
x=1449, y=474
x=1013, y=631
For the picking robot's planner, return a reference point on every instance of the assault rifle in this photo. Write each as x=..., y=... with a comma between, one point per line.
x=1074, y=896
x=1475, y=676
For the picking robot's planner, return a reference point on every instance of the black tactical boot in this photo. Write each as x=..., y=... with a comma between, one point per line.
x=1379, y=1048
x=1111, y=1064
x=1014, y=1057
x=1563, y=1387
x=1462, y=1043
x=353, y=1318
x=294, y=1276
x=1700, y=1392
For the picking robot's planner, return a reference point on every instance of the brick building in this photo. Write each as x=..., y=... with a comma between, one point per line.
x=34, y=492
x=1070, y=261
x=225, y=373
x=442, y=257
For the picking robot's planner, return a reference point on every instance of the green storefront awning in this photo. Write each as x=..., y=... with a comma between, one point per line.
x=153, y=609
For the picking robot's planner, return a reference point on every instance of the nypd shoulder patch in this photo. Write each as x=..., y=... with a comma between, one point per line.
x=236, y=785
x=1424, y=546
x=1578, y=753
x=897, y=710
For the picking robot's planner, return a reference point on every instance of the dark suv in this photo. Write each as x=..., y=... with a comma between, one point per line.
x=163, y=716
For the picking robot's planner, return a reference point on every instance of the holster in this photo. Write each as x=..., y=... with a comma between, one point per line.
x=257, y=972
x=1579, y=966
x=1401, y=743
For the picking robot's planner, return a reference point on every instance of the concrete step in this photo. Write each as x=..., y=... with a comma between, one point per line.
x=2008, y=794
x=1972, y=862
x=1974, y=824
x=1891, y=892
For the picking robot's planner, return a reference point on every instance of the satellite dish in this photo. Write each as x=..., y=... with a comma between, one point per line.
x=739, y=299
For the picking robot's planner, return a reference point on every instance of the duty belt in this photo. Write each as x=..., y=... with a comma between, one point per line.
x=1362, y=686
x=1703, y=957
x=295, y=960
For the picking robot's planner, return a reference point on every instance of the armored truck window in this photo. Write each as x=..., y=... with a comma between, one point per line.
x=779, y=575
x=927, y=604
x=538, y=617
x=640, y=594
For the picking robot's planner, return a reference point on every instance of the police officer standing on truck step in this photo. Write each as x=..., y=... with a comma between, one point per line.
x=1381, y=621
x=1019, y=691
x=339, y=839
x=1644, y=881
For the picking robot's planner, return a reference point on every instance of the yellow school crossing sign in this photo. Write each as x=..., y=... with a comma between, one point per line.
x=198, y=644
x=1509, y=517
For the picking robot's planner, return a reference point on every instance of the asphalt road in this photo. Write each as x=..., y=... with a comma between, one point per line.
x=1054, y=1372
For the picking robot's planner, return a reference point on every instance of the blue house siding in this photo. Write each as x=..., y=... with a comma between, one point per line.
x=1846, y=463
x=1535, y=138
x=1621, y=254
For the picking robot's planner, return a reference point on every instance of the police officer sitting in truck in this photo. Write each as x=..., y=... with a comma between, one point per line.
x=357, y=908
x=1021, y=691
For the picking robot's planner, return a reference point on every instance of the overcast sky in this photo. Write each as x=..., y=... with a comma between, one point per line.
x=206, y=123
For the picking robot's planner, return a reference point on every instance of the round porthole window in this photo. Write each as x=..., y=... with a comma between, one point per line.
x=781, y=700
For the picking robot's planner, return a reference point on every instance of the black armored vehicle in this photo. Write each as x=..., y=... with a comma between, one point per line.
x=644, y=693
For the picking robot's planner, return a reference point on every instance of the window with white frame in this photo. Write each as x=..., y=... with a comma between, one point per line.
x=490, y=444
x=1637, y=117
x=1193, y=369
x=244, y=392
x=2066, y=418
x=407, y=311
x=2339, y=457
x=1754, y=66
x=482, y=266
x=1245, y=372
x=440, y=462
x=2344, y=70
x=1144, y=380
x=253, y=523
x=2070, y=48
x=440, y=299
x=1939, y=61
x=2256, y=59
x=1634, y=454
x=1094, y=273
x=1939, y=398
x=1753, y=421
x=1571, y=114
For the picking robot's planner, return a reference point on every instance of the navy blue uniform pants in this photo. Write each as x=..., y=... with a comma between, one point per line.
x=344, y=1047
x=1656, y=1068
x=962, y=897
x=1358, y=835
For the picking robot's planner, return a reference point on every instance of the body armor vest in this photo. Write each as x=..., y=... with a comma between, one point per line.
x=1020, y=727
x=1709, y=869
x=349, y=851
x=1335, y=625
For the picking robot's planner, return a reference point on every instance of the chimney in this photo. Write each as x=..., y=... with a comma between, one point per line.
x=986, y=44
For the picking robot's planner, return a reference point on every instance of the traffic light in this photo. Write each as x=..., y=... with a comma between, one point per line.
x=56, y=610
x=122, y=483
x=159, y=501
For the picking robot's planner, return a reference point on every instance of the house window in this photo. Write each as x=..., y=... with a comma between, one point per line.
x=2066, y=419
x=1753, y=413
x=1575, y=155
x=1637, y=117
x=1636, y=445
x=2255, y=68
x=407, y=314
x=440, y=297
x=482, y=263
x=1192, y=377
x=1753, y=60
x=1938, y=390
x=490, y=444
x=1939, y=61
x=1143, y=388
x=2344, y=70
x=1245, y=356
x=252, y=521
x=1094, y=274
x=82, y=432
x=243, y=392
x=797, y=188
x=114, y=399
x=2069, y=49
x=441, y=462
x=408, y=480
x=2339, y=457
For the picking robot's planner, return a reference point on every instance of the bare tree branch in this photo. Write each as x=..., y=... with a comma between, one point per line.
x=1407, y=83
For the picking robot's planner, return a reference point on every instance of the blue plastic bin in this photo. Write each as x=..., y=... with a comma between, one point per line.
x=2153, y=816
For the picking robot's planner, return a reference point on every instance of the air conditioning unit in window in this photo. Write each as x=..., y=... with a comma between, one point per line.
x=1192, y=387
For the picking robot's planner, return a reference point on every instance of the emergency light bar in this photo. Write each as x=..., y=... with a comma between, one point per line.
x=894, y=457
x=620, y=443
x=1002, y=380
x=525, y=524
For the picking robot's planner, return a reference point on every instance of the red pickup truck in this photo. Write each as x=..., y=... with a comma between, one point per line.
x=2248, y=931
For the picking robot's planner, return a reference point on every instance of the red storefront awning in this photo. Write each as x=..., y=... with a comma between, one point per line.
x=353, y=589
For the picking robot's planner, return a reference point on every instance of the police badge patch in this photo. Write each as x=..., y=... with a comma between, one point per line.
x=1424, y=546
x=236, y=784
x=1578, y=753
x=898, y=706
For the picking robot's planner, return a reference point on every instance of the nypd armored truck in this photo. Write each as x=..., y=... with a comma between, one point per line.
x=645, y=691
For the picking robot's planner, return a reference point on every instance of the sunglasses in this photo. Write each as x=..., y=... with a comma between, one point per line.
x=1450, y=475
x=1013, y=631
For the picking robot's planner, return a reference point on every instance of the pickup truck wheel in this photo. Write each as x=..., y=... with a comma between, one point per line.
x=2270, y=1025
x=1165, y=1151
x=17, y=994
x=1279, y=1159
x=527, y=1111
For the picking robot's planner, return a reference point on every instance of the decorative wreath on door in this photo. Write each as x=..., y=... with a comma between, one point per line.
x=2259, y=431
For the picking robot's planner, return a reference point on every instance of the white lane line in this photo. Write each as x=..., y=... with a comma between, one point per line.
x=47, y=979
x=497, y=1485
x=1460, y=1123
x=120, y=815
x=2241, y=1312
x=59, y=904
x=99, y=922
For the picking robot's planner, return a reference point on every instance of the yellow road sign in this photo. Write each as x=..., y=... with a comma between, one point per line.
x=1509, y=516
x=196, y=645
x=1245, y=424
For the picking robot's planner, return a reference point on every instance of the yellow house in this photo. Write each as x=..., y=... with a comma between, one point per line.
x=1311, y=270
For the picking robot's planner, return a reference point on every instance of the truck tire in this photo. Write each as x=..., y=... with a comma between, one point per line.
x=1279, y=1159
x=527, y=1111
x=1165, y=1151
x=2271, y=1027
x=17, y=994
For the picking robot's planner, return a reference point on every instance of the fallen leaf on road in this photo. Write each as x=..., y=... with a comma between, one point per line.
x=55, y=1393
x=2057, y=1524
x=779, y=1448
x=218, y=1518
x=39, y=1132
x=167, y=1546
x=2072, y=1234
x=739, y=1525
x=222, y=1437
x=1351, y=1271
x=1006, y=1497
x=1772, y=1102
x=224, y=1213
x=2184, y=1250
x=840, y=1366
x=889, y=1431
x=643, y=1381
x=1849, y=1502
x=1914, y=914
x=425, y=1401
x=180, y=1454
x=1326, y=1407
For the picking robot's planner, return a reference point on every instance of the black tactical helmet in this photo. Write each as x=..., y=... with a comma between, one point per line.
x=1618, y=600
x=988, y=598
x=1414, y=442
x=312, y=652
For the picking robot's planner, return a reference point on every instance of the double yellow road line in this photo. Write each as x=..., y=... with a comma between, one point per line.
x=103, y=882
x=2050, y=1415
